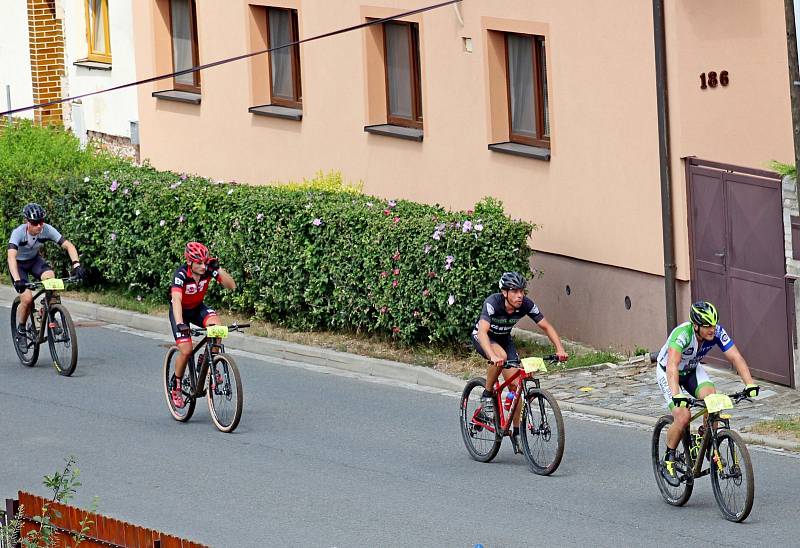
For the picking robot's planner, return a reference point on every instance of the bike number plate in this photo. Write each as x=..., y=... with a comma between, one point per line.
x=217, y=331
x=717, y=402
x=53, y=284
x=532, y=365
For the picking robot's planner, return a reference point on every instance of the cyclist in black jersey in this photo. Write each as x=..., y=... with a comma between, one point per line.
x=491, y=335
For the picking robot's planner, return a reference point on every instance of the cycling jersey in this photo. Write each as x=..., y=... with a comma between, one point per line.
x=692, y=351
x=28, y=245
x=192, y=292
x=500, y=321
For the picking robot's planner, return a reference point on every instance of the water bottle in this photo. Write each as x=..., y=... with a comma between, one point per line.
x=507, y=401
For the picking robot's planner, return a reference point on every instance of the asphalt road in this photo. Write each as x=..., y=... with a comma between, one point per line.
x=327, y=458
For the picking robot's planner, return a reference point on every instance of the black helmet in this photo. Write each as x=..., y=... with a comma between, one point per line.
x=33, y=212
x=512, y=280
x=704, y=314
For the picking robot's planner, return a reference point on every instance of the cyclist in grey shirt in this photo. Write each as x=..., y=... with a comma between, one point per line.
x=24, y=257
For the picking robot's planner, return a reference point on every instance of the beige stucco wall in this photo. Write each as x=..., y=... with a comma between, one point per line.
x=598, y=198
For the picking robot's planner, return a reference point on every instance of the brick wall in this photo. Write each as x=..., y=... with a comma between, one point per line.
x=46, y=39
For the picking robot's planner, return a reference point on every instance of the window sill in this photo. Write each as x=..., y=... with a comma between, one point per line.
x=518, y=149
x=277, y=111
x=401, y=132
x=92, y=65
x=180, y=96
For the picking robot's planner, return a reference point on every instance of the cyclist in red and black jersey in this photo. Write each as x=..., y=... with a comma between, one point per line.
x=189, y=285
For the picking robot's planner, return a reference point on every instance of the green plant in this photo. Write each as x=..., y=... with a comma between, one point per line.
x=311, y=255
x=640, y=351
x=64, y=485
x=782, y=169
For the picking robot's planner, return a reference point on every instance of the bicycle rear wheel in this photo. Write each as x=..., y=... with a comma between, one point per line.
x=733, y=484
x=542, y=432
x=27, y=347
x=63, y=340
x=184, y=413
x=676, y=496
x=225, y=396
x=481, y=435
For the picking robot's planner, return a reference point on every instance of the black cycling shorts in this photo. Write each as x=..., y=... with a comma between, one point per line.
x=506, y=343
x=199, y=315
x=36, y=267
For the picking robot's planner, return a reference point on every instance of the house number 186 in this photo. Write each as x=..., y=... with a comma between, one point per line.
x=713, y=80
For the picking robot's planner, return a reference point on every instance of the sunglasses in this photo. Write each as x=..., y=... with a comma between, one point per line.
x=35, y=223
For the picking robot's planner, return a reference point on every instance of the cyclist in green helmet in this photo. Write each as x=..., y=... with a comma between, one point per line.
x=679, y=368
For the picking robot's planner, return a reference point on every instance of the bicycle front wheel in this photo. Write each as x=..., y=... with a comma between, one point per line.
x=542, y=432
x=225, y=397
x=181, y=414
x=63, y=340
x=27, y=346
x=480, y=431
x=674, y=495
x=732, y=476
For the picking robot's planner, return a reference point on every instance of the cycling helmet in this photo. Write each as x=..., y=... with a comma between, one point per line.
x=33, y=212
x=196, y=252
x=704, y=314
x=512, y=280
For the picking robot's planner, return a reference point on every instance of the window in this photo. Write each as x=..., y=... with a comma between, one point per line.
x=403, y=74
x=284, y=65
x=97, y=33
x=528, y=119
x=183, y=30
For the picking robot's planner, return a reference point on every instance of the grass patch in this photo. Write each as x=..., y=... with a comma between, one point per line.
x=781, y=428
x=459, y=360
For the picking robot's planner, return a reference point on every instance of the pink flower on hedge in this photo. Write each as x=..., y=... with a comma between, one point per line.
x=181, y=219
x=467, y=226
x=316, y=222
x=431, y=274
x=162, y=222
x=416, y=313
x=426, y=292
x=448, y=262
x=396, y=271
x=470, y=212
x=451, y=299
x=396, y=256
x=396, y=220
x=383, y=310
x=114, y=186
x=427, y=248
x=260, y=217
x=387, y=212
x=183, y=177
x=437, y=235
x=392, y=203
x=394, y=283
x=113, y=236
x=384, y=274
x=136, y=182
x=395, y=330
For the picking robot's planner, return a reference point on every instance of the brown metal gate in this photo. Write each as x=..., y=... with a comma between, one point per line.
x=738, y=262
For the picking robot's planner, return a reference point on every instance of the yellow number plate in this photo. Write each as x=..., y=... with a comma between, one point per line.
x=531, y=365
x=717, y=402
x=53, y=284
x=217, y=331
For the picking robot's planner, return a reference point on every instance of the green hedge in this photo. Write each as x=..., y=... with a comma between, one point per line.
x=317, y=255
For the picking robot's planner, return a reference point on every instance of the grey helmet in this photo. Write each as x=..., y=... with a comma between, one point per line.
x=512, y=280
x=33, y=212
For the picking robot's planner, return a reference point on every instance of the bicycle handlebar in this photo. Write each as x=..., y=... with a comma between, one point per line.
x=735, y=397
x=37, y=285
x=552, y=358
x=198, y=331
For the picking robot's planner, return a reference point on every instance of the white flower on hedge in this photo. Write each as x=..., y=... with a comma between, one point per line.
x=162, y=222
x=86, y=179
x=181, y=219
x=260, y=217
x=113, y=235
x=125, y=191
x=467, y=226
x=175, y=185
x=114, y=186
x=317, y=222
x=230, y=192
x=137, y=212
x=427, y=248
x=478, y=227
x=369, y=204
x=451, y=299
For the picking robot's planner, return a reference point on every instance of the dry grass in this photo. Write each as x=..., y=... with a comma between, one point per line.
x=787, y=429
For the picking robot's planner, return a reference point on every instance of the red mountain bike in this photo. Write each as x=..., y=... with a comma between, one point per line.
x=541, y=427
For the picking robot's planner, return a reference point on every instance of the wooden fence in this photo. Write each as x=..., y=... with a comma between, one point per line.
x=103, y=532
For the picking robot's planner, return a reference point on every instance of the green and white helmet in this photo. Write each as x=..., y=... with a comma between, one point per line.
x=704, y=314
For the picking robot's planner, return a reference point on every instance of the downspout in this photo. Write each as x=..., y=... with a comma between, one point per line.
x=659, y=38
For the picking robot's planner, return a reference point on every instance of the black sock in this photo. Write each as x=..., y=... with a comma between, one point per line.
x=670, y=455
x=516, y=430
x=486, y=394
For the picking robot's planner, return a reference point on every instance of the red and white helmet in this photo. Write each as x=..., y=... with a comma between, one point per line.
x=196, y=252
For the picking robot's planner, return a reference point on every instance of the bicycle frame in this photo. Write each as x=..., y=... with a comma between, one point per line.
x=506, y=420
x=209, y=347
x=712, y=423
x=51, y=297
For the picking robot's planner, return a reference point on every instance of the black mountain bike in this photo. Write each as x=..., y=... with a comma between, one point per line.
x=50, y=321
x=213, y=374
x=723, y=449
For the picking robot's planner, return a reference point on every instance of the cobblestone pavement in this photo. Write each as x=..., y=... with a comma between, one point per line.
x=633, y=389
